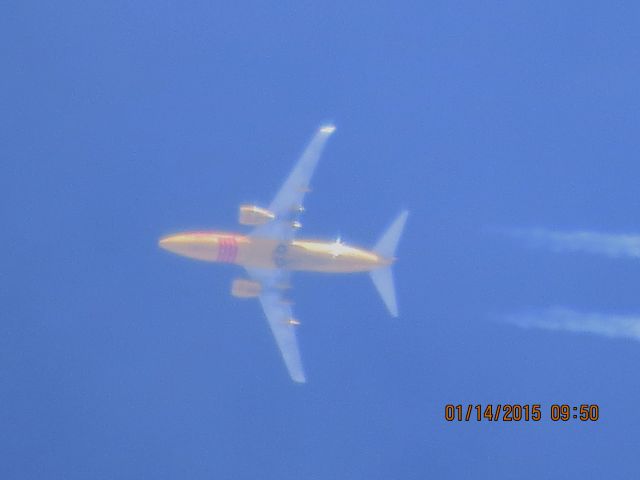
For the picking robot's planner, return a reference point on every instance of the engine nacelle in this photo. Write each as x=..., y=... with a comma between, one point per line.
x=253, y=215
x=242, y=288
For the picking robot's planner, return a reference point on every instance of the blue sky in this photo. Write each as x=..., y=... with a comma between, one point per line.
x=124, y=121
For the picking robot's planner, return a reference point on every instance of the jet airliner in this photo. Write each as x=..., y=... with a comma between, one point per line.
x=271, y=252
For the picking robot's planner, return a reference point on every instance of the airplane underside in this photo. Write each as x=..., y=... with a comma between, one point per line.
x=270, y=253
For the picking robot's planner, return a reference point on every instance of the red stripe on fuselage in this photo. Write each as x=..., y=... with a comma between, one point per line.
x=221, y=250
x=227, y=249
x=234, y=249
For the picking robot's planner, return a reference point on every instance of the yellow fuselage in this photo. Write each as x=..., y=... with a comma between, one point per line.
x=252, y=252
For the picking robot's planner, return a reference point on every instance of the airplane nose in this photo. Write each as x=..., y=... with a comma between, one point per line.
x=167, y=242
x=198, y=245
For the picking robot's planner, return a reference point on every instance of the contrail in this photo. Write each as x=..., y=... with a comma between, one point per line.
x=564, y=319
x=611, y=245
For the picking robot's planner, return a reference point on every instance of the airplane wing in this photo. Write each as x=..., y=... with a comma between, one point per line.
x=279, y=315
x=287, y=204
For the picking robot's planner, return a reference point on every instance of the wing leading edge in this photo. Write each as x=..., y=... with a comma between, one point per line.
x=287, y=204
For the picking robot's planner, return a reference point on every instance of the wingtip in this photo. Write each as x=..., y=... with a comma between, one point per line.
x=329, y=128
x=299, y=379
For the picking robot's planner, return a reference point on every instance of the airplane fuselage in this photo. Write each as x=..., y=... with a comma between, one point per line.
x=256, y=252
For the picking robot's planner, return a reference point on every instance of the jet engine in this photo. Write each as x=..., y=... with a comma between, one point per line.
x=242, y=288
x=253, y=215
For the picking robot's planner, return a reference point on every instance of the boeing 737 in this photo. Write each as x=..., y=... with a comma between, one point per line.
x=270, y=253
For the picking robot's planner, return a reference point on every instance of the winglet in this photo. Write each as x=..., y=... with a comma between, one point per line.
x=328, y=128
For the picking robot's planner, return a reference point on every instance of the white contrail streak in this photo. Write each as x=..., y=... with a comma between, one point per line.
x=612, y=245
x=564, y=319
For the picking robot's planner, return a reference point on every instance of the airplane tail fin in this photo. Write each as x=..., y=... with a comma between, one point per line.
x=386, y=247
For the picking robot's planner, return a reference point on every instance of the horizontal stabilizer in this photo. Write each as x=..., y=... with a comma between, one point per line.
x=383, y=281
x=386, y=247
x=388, y=243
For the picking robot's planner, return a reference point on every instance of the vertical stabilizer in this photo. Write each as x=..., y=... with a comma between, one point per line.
x=383, y=277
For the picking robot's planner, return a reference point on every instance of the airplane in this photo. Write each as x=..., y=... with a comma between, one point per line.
x=271, y=252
